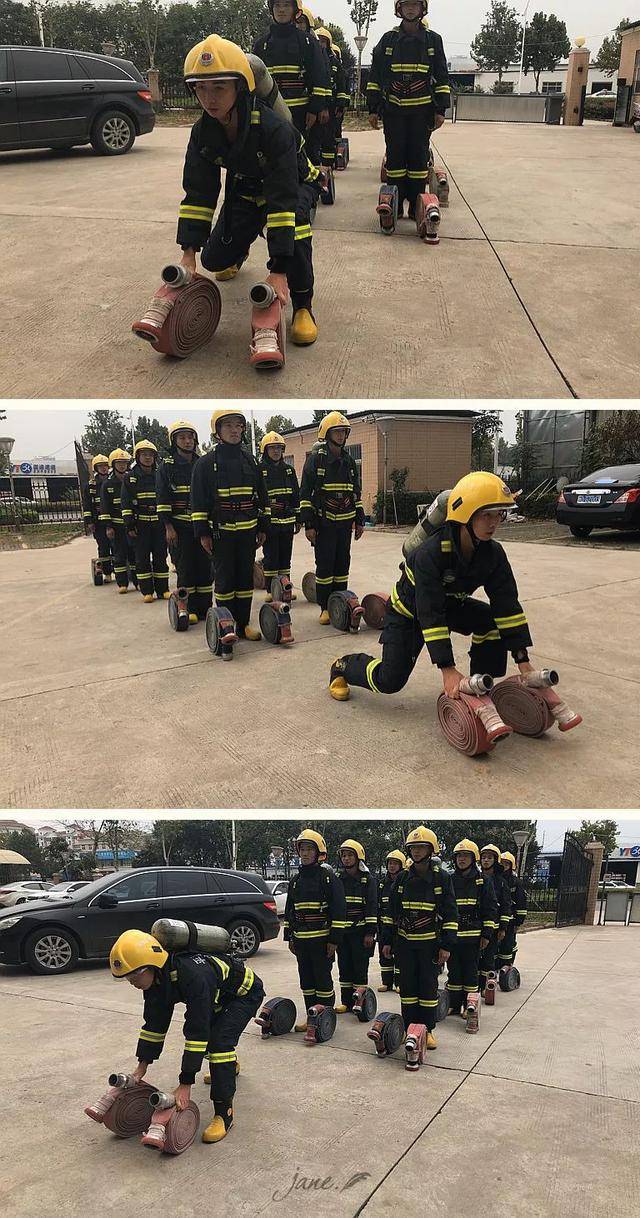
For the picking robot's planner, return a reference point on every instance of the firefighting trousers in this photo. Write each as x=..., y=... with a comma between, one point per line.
x=151, y=558
x=388, y=969
x=233, y=557
x=462, y=968
x=226, y=1029
x=487, y=962
x=402, y=643
x=104, y=547
x=353, y=965
x=193, y=569
x=124, y=557
x=277, y=552
x=314, y=971
x=329, y=139
x=248, y=221
x=418, y=983
x=333, y=559
x=406, y=131
x=508, y=949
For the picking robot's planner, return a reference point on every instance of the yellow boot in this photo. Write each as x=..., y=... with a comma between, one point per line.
x=301, y=1027
x=324, y=619
x=229, y=272
x=219, y=1128
x=147, y=599
x=431, y=1041
x=341, y=1009
x=193, y=619
x=164, y=596
x=338, y=687
x=123, y=591
x=304, y=330
x=249, y=632
x=268, y=599
x=385, y=989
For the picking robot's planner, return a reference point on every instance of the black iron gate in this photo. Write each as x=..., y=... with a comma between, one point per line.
x=574, y=883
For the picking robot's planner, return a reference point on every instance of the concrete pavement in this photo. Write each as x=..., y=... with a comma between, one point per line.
x=535, y=1115
x=524, y=297
x=102, y=705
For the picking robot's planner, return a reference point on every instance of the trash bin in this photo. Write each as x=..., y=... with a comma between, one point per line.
x=554, y=107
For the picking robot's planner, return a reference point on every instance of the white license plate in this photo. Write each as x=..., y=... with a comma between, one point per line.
x=592, y=499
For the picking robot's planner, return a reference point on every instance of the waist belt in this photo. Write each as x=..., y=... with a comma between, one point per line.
x=236, y=505
x=467, y=922
x=411, y=922
x=315, y=921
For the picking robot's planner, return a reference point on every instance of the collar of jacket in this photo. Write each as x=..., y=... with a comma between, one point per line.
x=282, y=30
x=214, y=140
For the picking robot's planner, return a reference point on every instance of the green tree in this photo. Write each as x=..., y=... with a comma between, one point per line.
x=106, y=430
x=496, y=46
x=485, y=428
x=605, y=831
x=613, y=439
x=279, y=423
x=24, y=842
x=17, y=25
x=319, y=415
x=187, y=843
x=151, y=429
x=546, y=43
x=609, y=54
x=55, y=854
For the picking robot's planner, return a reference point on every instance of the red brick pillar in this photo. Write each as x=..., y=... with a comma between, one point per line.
x=596, y=850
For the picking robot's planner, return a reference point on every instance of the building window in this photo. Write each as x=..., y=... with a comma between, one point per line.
x=355, y=451
x=552, y=86
x=600, y=86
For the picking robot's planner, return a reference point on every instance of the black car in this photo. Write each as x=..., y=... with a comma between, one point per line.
x=56, y=99
x=607, y=499
x=51, y=936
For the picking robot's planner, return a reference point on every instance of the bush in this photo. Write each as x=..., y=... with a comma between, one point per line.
x=599, y=109
x=541, y=508
x=18, y=511
x=406, y=505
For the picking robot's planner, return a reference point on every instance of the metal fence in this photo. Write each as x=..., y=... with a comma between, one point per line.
x=176, y=95
x=542, y=899
x=37, y=501
x=574, y=883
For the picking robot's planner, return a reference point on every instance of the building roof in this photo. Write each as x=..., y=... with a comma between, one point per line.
x=421, y=416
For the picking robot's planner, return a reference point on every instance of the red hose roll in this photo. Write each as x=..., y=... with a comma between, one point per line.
x=462, y=727
x=374, y=606
x=523, y=708
x=131, y=1112
x=179, y=320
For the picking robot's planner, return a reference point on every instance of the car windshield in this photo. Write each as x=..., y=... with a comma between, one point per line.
x=614, y=473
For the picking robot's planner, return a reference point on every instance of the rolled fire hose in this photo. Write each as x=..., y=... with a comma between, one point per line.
x=124, y=1109
x=171, y=1130
x=182, y=315
x=531, y=706
x=471, y=723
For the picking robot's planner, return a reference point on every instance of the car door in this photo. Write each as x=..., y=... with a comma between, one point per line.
x=191, y=894
x=54, y=97
x=8, y=102
x=136, y=907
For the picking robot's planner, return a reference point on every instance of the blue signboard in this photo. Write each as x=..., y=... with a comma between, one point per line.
x=107, y=856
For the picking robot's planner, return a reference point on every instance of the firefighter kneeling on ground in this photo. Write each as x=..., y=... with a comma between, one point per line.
x=433, y=598
x=509, y=947
x=477, y=908
x=420, y=929
x=359, y=939
x=270, y=183
x=281, y=484
x=230, y=515
x=493, y=870
x=331, y=508
x=314, y=921
x=92, y=510
x=140, y=515
x=396, y=862
x=221, y=994
x=124, y=558
x=173, y=487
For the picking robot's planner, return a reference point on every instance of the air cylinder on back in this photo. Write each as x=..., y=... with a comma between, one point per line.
x=177, y=936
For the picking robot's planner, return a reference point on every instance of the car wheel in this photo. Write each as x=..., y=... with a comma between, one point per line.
x=245, y=938
x=112, y=133
x=51, y=951
x=580, y=530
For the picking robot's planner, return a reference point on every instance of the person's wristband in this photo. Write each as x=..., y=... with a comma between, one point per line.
x=521, y=657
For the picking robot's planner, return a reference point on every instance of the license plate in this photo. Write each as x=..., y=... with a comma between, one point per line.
x=592, y=499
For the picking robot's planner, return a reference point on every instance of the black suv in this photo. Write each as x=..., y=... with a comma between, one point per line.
x=56, y=99
x=51, y=936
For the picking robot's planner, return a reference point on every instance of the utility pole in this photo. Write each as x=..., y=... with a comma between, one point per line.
x=524, y=30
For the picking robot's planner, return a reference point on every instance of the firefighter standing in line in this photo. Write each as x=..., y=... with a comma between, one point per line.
x=358, y=941
x=422, y=924
x=92, y=512
x=283, y=492
x=331, y=508
x=477, y=907
x=396, y=862
x=270, y=182
x=409, y=88
x=124, y=559
x=433, y=597
x=231, y=515
x=493, y=870
x=315, y=919
x=343, y=97
x=338, y=93
x=508, y=949
x=296, y=62
x=140, y=514
x=173, y=487
x=221, y=994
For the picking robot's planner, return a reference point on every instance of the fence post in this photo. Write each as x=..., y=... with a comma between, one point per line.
x=595, y=850
x=153, y=76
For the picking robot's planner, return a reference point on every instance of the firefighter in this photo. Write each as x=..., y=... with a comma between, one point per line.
x=315, y=919
x=281, y=483
x=493, y=870
x=508, y=949
x=230, y=515
x=140, y=515
x=433, y=598
x=295, y=60
x=343, y=97
x=338, y=87
x=358, y=941
x=270, y=183
x=331, y=507
x=396, y=862
x=221, y=995
x=422, y=922
x=92, y=512
x=124, y=559
x=174, y=500
x=409, y=89
x=477, y=907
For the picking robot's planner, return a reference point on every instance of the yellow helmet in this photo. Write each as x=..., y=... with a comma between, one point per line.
x=508, y=857
x=467, y=845
x=271, y=437
x=133, y=950
x=350, y=844
x=320, y=32
x=297, y=5
x=475, y=492
x=217, y=58
x=333, y=419
x=398, y=856
x=425, y=7
x=316, y=839
x=422, y=837
x=181, y=425
x=491, y=849
x=336, y=50
x=146, y=444
x=99, y=459
x=219, y=415
x=306, y=12
x=118, y=454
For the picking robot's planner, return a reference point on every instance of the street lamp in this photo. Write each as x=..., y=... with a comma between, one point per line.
x=361, y=42
x=521, y=839
x=524, y=30
x=6, y=444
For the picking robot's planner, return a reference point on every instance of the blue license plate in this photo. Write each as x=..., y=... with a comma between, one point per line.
x=592, y=499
